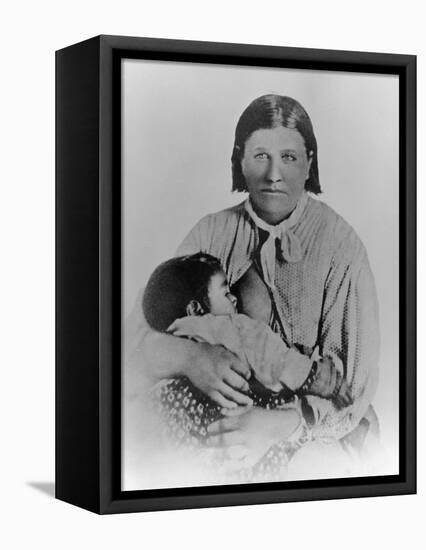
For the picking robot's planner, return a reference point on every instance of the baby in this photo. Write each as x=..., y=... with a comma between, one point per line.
x=190, y=297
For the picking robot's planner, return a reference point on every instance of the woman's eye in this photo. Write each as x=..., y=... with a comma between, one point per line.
x=289, y=156
x=261, y=156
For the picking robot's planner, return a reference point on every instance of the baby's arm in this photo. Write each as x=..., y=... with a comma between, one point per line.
x=303, y=375
x=276, y=365
x=322, y=379
x=273, y=363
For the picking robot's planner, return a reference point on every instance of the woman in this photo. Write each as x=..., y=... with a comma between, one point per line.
x=294, y=263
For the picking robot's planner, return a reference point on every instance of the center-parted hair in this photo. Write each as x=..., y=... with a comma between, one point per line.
x=173, y=285
x=272, y=111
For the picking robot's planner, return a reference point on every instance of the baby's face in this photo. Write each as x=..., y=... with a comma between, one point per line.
x=222, y=302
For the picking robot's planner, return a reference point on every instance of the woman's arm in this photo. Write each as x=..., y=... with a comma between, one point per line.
x=151, y=356
x=248, y=433
x=349, y=339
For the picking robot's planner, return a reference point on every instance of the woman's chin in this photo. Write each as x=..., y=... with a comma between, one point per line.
x=274, y=209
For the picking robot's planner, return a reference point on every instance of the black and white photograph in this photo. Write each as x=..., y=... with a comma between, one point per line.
x=259, y=274
x=213, y=257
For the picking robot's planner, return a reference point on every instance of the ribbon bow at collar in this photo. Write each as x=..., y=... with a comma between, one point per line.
x=291, y=249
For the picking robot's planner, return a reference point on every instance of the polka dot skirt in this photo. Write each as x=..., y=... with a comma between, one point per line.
x=187, y=412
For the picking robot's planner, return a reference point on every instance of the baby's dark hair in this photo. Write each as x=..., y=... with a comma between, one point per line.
x=174, y=284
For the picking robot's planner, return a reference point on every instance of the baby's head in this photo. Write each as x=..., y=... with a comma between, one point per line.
x=188, y=285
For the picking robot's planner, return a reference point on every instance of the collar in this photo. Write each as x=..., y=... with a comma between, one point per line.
x=290, y=246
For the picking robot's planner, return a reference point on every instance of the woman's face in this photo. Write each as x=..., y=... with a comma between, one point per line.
x=275, y=166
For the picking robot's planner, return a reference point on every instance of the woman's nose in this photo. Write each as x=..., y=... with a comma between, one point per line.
x=233, y=300
x=273, y=173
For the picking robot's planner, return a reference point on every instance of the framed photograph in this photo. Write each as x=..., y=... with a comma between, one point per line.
x=236, y=288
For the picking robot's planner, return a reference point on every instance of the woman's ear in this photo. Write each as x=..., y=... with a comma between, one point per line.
x=310, y=159
x=194, y=308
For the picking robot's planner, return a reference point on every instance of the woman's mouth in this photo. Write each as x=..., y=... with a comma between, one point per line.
x=273, y=192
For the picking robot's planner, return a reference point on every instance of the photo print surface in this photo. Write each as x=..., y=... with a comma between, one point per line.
x=260, y=256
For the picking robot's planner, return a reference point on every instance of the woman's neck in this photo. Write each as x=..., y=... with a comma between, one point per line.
x=272, y=218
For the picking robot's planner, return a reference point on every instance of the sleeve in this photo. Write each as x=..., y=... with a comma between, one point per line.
x=349, y=337
x=197, y=240
x=211, y=329
x=135, y=330
x=269, y=356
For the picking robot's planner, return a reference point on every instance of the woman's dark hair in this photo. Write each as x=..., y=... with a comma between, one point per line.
x=272, y=111
x=173, y=285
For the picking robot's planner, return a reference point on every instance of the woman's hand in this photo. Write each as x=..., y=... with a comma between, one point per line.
x=330, y=384
x=247, y=433
x=211, y=368
x=220, y=374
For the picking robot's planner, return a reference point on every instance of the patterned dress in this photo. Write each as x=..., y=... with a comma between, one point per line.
x=186, y=413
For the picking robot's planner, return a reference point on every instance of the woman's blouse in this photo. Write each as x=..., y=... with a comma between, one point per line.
x=325, y=297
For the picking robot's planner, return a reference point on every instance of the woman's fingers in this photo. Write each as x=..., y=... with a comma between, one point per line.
x=228, y=398
x=344, y=397
x=220, y=374
x=240, y=368
x=234, y=395
x=342, y=401
x=236, y=381
x=236, y=411
x=221, y=400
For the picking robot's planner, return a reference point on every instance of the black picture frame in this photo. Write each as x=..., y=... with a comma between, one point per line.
x=88, y=252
